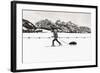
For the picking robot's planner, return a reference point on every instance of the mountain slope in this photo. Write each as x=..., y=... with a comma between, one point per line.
x=67, y=27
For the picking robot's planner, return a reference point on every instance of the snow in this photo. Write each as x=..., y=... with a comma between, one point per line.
x=36, y=50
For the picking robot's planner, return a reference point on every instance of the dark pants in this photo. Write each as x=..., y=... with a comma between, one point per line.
x=54, y=41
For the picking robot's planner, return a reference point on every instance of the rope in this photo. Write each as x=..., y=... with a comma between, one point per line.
x=63, y=41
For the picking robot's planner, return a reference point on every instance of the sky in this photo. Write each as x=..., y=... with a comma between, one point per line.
x=79, y=18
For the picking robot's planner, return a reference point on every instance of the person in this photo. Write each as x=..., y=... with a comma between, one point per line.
x=55, y=35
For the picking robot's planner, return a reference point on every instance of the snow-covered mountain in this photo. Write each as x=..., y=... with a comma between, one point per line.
x=67, y=27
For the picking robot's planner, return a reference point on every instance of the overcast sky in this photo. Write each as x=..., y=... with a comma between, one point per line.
x=81, y=19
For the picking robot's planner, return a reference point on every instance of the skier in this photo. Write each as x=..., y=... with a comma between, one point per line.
x=55, y=35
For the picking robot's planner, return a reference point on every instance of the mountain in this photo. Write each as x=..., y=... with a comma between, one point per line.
x=28, y=26
x=67, y=27
x=70, y=27
x=44, y=24
x=84, y=29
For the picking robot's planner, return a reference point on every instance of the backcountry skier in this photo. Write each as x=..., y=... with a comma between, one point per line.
x=55, y=35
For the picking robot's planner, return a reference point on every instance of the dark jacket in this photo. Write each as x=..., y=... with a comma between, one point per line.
x=55, y=34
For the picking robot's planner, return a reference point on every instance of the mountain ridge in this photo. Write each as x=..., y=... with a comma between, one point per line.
x=66, y=27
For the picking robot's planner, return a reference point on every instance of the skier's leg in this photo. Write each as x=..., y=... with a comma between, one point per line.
x=53, y=42
x=58, y=41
